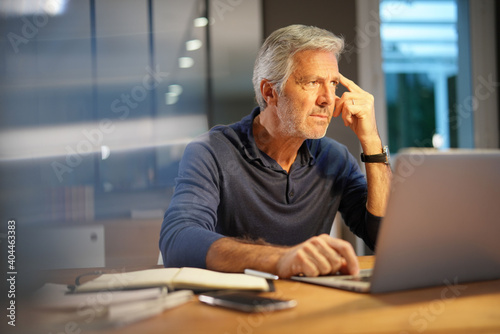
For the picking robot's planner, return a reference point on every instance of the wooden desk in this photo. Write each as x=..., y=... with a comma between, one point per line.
x=469, y=308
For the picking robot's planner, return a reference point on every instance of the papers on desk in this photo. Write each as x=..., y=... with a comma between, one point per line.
x=118, y=299
x=124, y=314
x=58, y=297
x=106, y=308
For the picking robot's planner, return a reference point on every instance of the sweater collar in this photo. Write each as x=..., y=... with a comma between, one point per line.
x=251, y=151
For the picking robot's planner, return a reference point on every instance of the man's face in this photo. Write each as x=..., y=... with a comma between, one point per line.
x=306, y=105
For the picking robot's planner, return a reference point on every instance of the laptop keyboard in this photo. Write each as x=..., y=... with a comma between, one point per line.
x=360, y=278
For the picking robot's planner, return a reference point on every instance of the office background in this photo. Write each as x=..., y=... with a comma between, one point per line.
x=99, y=98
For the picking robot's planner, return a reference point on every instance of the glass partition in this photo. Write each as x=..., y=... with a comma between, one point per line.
x=99, y=99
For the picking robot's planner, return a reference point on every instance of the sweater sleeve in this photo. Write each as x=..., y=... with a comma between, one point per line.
x=353, y=206
x=188, y=228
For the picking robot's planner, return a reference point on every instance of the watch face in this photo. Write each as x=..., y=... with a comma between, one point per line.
x=387, y=154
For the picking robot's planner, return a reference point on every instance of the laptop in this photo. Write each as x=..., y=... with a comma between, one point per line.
x=442, y=225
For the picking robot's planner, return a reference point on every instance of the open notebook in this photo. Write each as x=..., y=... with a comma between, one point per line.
x=442, y=224
x=175, y=279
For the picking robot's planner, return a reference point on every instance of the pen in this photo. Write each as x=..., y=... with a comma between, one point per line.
x=261, y=274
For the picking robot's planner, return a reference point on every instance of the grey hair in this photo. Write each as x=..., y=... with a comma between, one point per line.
x=275, y=61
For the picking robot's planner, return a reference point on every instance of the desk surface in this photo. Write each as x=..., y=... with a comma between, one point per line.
x=469, y=308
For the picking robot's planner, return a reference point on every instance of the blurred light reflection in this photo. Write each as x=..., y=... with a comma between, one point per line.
x=32, y=7
x=186, y=62
x=87, y=138
x=200, y=22
x=193, y=45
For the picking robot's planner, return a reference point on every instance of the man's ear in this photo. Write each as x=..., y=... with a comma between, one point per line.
x=268, y=92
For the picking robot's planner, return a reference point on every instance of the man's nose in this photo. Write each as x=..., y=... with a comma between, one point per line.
x=326, y=95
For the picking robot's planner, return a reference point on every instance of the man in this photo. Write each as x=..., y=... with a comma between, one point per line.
x=263, y=193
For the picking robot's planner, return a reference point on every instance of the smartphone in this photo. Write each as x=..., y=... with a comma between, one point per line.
x=245, y=301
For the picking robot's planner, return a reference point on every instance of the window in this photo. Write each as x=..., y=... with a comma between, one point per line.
x=420, y=62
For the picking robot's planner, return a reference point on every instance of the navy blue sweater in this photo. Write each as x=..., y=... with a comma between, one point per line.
x=228, y=187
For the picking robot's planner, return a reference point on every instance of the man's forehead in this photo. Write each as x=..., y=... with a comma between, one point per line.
x=316, y=65
x=309, y=59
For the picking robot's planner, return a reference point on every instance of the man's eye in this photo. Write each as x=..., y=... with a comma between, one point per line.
x=335, y=83
x=312, y=83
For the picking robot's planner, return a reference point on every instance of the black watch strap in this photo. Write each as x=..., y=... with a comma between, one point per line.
x=380, y=158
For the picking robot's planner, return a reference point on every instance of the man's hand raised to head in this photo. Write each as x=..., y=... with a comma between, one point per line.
x=357, y=109
x=320, y=255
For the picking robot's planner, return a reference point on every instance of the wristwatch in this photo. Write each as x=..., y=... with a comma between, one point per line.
x=381, y=157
